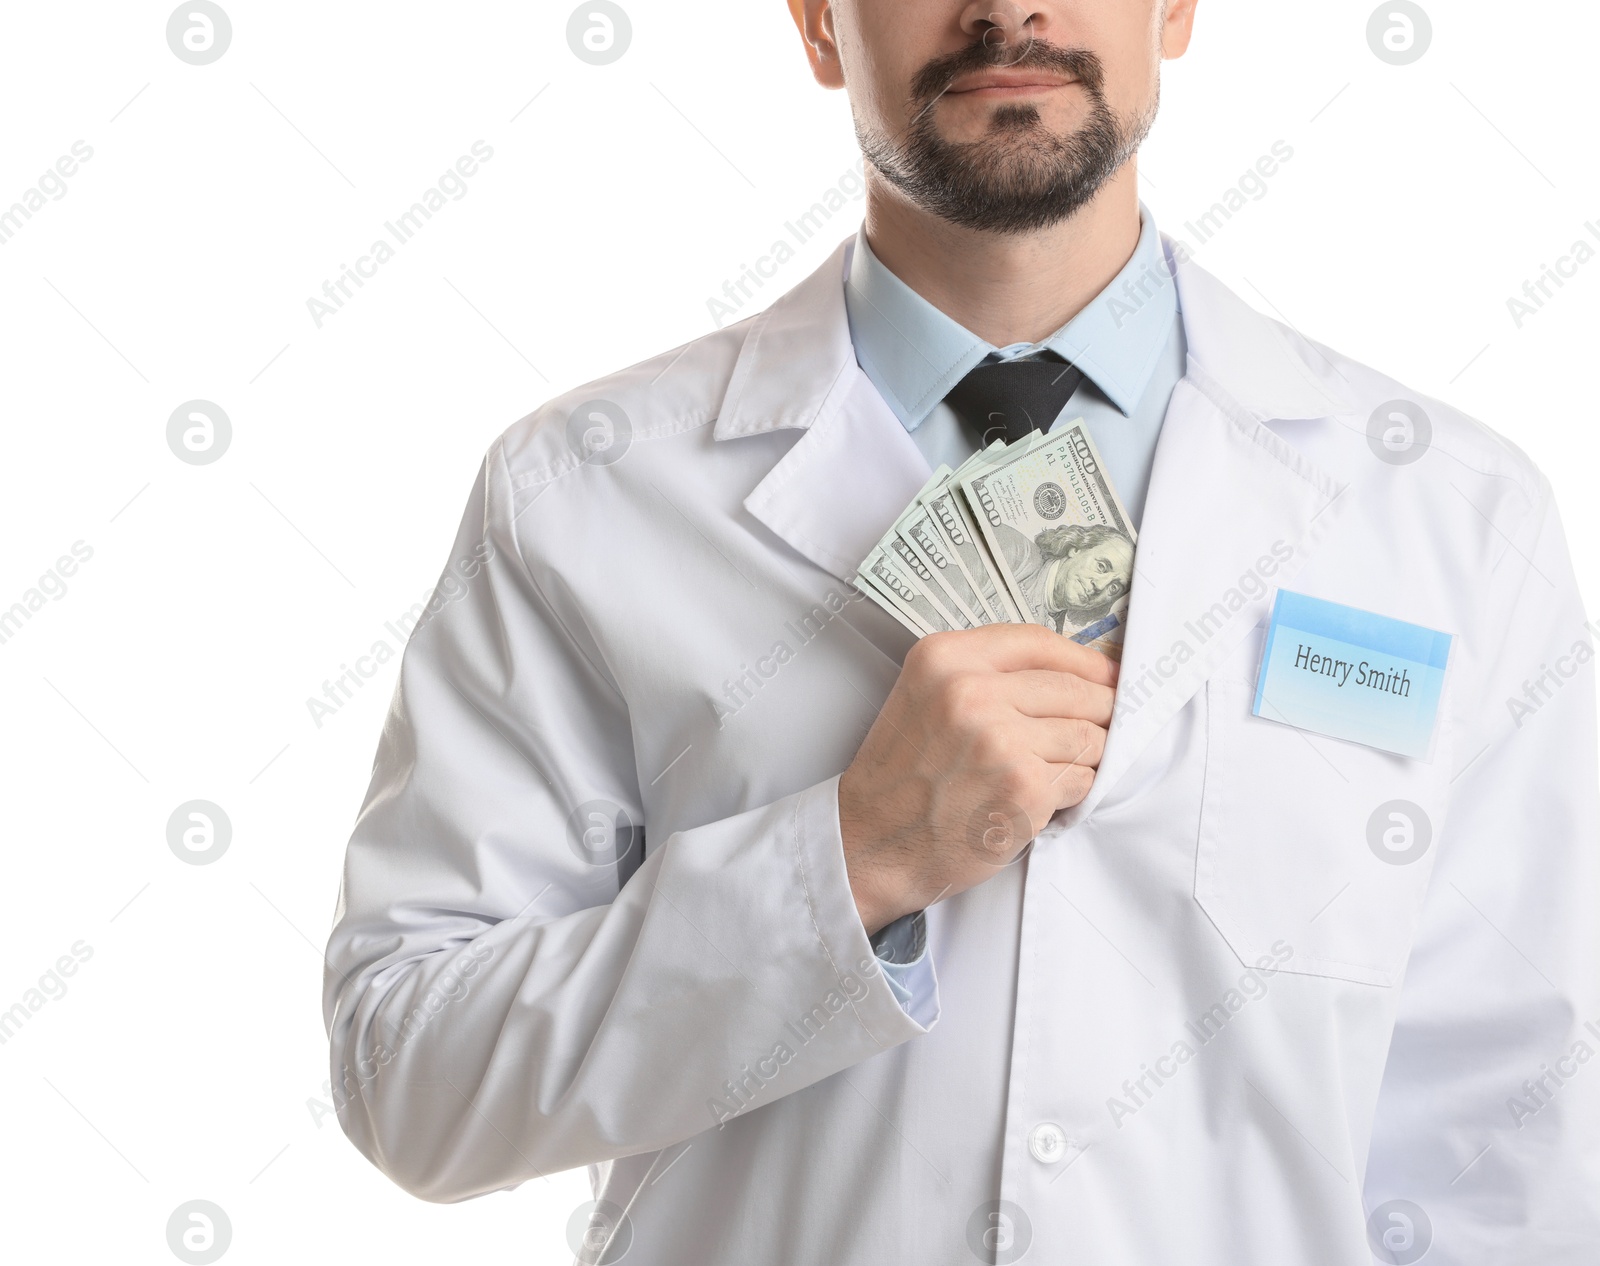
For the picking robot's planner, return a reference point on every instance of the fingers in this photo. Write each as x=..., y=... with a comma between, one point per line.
x=1017, y=712
x=1017, y=647
x=1069, y=784
x=1039, y=692
x=1053, y=770
x=1065, y=742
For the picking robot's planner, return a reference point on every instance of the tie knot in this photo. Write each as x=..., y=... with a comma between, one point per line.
x=1010, y=399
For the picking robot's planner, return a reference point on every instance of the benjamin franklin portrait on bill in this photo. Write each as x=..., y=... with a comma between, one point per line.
x=1071, y=575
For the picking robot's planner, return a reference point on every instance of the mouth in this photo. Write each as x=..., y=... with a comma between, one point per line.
x=998, y=83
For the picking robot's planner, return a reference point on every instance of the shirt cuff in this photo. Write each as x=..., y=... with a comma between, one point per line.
x=902, y=948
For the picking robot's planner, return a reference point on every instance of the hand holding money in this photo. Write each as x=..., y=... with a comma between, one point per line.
x=1015, y=571
x=984, y=736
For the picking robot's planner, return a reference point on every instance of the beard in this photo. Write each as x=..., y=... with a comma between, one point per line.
x=1021, y=177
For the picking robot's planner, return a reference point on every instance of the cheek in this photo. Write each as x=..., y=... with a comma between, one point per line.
x=880, y=53
x=1127, y=39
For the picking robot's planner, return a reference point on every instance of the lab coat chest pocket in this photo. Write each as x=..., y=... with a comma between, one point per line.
x=1310, y=843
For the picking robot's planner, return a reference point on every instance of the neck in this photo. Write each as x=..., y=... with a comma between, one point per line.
x=1007, y=288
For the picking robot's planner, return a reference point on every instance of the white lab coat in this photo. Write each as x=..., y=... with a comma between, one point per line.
x=499, y=1009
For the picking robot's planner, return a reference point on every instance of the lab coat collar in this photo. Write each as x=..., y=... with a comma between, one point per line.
x=1271, y=372
x=793, y=356
x=797, y=359
x=855, y=467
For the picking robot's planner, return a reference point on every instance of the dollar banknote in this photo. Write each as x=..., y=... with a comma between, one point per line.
x=1059, y=535
x=926, y=537
x=923, y=579
x=882, y=580
x=1028, y=532
x=950, y=510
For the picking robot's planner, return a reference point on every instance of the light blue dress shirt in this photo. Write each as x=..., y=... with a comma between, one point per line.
x=1128, y=342
x=1130, y=346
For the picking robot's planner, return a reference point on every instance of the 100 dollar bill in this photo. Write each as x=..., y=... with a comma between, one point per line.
x=884, y=582
x=1059, y=535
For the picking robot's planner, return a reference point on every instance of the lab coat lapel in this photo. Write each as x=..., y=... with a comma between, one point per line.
x=844, y=481
x=1233, y=511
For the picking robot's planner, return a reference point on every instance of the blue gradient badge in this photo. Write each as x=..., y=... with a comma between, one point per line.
x=1352, y=675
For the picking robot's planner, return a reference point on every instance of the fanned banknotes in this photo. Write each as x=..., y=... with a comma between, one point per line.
x=1030, y=532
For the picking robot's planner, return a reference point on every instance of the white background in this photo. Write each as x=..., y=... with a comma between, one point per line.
x=188, y=1056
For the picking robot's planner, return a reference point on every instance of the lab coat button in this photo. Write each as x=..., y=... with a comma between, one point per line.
x=1047, y=1142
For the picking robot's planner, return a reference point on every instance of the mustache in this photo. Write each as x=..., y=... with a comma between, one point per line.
x=934, y=79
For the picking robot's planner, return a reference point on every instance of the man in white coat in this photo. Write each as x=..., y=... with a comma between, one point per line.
x=708, y=904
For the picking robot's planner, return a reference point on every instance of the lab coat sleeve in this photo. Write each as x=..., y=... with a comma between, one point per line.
x=497, y=1008
x=1489, y=1115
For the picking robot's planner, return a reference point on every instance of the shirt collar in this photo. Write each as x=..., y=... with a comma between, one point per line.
x=915, y=354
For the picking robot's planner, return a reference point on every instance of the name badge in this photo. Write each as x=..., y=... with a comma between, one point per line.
x=1352, y=675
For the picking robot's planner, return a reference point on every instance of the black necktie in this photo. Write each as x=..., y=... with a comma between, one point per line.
x=1013, y=398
